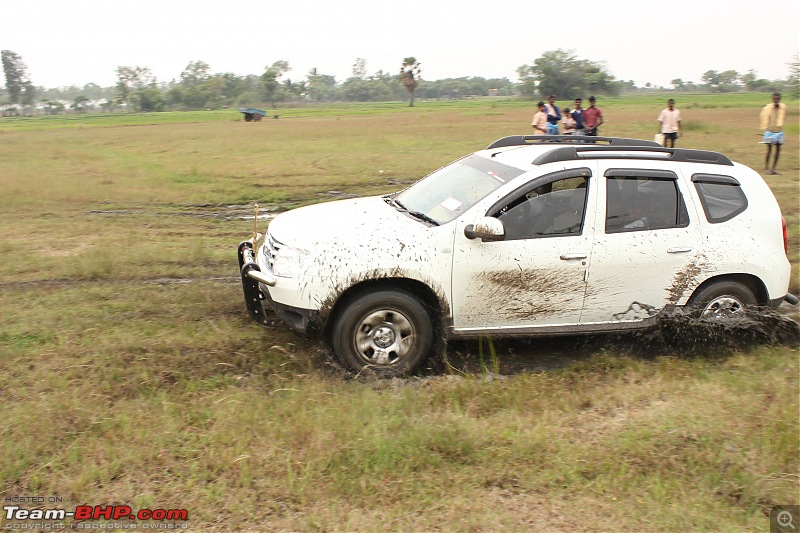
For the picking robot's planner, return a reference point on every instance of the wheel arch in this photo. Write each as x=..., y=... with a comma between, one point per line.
x=433, y=303
x=750, y=281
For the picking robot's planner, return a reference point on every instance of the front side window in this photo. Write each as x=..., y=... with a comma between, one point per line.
x=555, y=208
x=636, y=201
x=452, y=190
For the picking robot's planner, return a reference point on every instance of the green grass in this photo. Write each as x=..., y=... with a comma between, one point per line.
x=688, y=101
x=130, y=373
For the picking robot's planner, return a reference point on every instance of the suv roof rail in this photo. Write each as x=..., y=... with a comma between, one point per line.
x=657, y=152
x=520, y=140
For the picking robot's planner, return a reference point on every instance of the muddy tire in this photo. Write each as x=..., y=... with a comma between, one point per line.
x=723, y=300
x=387, y=332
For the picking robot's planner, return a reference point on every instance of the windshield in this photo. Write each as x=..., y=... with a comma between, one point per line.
x=451, y=190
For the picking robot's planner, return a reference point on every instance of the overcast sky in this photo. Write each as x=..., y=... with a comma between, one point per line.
x=82, y=41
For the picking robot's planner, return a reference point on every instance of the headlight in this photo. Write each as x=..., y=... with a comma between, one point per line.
x=288, y=261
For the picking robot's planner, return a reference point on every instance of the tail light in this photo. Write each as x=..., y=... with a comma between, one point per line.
x=785, y=237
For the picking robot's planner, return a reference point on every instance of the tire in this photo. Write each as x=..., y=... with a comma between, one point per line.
x=248, y=117
x=389, y=332
x=722, y=300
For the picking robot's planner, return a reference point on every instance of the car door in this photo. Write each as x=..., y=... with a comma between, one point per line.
x=534, y=277
x=647, y=243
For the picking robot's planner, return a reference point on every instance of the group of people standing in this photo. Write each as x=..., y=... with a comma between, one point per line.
x=579, y=121
x=582, y=121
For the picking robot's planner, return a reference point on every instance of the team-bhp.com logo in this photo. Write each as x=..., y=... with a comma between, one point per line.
x=122, y=517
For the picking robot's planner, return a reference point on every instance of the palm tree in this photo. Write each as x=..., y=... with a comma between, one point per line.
x=410, y=74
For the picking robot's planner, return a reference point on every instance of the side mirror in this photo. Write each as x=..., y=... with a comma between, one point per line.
x=486, y=229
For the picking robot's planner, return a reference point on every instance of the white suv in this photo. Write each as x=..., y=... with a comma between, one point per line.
x=531, y=236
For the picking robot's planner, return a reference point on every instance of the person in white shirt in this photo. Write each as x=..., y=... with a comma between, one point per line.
x=539, y=121
x=568, y=122
x=670, y=123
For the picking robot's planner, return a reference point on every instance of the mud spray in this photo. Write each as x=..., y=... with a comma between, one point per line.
x=677, y=334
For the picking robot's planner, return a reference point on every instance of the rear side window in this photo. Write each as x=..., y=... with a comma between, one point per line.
x=721, y=196
x=639, y=200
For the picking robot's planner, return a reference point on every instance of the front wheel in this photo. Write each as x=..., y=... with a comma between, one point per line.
x=723, y=300
x=389, y=332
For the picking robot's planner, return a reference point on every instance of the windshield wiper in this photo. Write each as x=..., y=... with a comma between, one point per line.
x=416, y=214
x=394, y=203
x=423, y=216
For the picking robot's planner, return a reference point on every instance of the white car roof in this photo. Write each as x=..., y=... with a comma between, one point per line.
x=523, y=151
x=521, y=157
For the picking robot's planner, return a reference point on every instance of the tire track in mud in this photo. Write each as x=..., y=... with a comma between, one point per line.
x=63, y=282
x=208, y=211
x=267, y=211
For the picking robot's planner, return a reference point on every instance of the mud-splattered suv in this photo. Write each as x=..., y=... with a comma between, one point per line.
x=531, y=236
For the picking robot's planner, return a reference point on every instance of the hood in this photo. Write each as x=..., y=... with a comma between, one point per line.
x=342, y=221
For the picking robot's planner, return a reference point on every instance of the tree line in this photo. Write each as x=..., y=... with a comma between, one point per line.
x=558, y=72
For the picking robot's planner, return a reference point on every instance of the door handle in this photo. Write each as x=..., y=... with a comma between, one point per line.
x=567, y=257
x=679, y=249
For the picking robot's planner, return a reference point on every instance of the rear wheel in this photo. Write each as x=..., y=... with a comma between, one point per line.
x=390, y=332
x=723, y=300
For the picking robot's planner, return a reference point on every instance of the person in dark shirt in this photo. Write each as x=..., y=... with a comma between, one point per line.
x=553, y=115
x=577, y=115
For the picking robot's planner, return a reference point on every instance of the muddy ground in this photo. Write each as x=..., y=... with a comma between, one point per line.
x=678, y=334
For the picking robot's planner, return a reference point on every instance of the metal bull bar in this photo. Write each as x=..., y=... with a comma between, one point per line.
x=252, y=276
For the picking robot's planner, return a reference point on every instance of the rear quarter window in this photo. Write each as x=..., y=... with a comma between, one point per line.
x=721, y=196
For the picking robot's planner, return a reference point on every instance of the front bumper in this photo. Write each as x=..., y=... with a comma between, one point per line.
x=251, y=277
x=304, y=321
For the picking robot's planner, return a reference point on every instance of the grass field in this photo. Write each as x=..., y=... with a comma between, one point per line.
x=131, y=374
